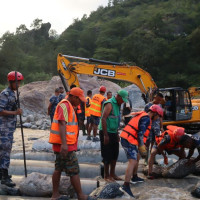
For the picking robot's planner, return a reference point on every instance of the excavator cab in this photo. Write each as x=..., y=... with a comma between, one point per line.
x=177, y=106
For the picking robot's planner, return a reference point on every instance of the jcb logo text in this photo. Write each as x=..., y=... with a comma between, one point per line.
x=104, y=72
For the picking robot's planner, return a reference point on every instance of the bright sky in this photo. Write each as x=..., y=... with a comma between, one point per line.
x=60, y=13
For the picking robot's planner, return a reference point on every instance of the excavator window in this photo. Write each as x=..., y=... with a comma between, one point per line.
x=177, y=105
x=183, y=105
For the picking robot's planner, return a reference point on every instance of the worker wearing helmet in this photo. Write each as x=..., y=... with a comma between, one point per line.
x=8, y=118
x=133, y=139
x=168, y=142
x=95, y=112
x=157, y=125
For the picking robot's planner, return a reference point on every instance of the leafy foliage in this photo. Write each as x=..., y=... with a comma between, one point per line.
x=160, y=36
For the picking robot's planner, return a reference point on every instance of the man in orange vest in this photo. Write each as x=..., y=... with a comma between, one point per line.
x=87, y=111
x=95, y=112
x=64, y=137
x=133, y=139
x=168, y=141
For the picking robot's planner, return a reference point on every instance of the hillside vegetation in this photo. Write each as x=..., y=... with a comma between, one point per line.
x=160, y=36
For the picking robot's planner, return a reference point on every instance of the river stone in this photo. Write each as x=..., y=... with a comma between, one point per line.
x=107, y=191
x=27, y=125
x=178, y=170
x=34, y=127
x=40, y=185
x=43, y=127
x=30, y=118
x=196, y=191
x=39, y=122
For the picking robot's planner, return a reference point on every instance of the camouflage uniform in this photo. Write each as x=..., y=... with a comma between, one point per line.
x=54, y=100
x=7, y=126
x=155, y=127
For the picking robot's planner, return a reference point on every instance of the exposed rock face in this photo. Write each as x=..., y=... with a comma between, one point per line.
x=40, y=185
x=107, y=191
x=135, y=96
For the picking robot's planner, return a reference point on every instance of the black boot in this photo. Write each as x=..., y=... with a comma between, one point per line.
x=6, y=180
x=10, y=176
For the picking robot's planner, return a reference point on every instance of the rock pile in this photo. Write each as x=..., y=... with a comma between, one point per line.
x=35, y=121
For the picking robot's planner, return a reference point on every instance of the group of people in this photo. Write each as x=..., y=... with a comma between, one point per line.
x=64, y=134
x=143, y=130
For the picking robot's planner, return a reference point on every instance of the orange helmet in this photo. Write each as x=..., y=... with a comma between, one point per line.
x=102, y=89
x=157, y=109
x=11, y=76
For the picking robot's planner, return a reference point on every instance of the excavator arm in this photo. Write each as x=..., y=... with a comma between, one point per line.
x=105, y=69
x=194, y=92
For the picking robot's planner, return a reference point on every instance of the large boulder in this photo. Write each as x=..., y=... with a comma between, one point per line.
x=156, y=171
x=180, y=169
x=107, y=191
x=40, y=185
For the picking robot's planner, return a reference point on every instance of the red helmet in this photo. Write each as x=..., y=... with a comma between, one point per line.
x=11, y=76
x=102, y=89
x=157, y=109
x=179, y=132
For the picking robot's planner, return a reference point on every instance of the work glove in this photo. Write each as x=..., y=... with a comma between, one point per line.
x=143, y=151
x=166, y=160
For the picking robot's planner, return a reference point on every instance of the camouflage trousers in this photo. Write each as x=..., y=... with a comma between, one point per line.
x=5, y=150
x=68, y=163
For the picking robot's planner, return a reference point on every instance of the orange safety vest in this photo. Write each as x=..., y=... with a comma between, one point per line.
x=71, y=125
x=130, y=132
x=173, y=141
x=87, y=109
x=95, y=107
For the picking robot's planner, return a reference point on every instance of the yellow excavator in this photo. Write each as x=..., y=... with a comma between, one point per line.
x=180, y=108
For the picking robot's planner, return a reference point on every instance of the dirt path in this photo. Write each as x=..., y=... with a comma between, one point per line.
x=29, y=135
